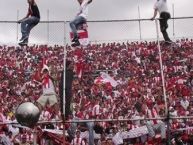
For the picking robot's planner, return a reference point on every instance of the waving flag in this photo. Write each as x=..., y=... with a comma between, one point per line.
x=105, y=78
x=83, y=35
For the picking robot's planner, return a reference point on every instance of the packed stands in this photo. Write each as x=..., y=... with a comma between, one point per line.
x=134, y=76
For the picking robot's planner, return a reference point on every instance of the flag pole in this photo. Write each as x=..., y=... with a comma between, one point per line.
x=139, y=16
x=17, y=29
x=48, y=26
x=173, y=21
x=64, y=90
x=163, y=79
x=161, y=67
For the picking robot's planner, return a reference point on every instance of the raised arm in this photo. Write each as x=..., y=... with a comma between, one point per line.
x=155, y=14
x=30, y=2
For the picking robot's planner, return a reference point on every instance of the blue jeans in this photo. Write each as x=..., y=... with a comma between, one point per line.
x=26, y=26
x=90, y=126
x=75, y=23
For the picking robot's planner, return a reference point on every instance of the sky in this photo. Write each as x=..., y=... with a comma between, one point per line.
x=65, y=10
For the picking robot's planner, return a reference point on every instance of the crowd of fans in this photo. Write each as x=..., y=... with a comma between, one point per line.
x=134, y=66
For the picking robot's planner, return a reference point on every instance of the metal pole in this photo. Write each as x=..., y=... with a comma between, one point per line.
x=48, y=27
x=173, y=21
x=65, y=38
x=34, y=136
x=17, y=29
x=64, y=80
x=64, y=87
x=161, y=67
x=139, y=15
x=163, y=79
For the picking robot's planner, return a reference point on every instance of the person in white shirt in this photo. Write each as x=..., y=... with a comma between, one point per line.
x=161, y=7
x=4, y=138
x=154, y=126
x=49, y=93
x=81, y=18
x=118, y=137
x=96, y=109
x=184, y=103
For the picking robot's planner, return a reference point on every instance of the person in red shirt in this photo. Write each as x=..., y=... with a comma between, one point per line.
x=27, y=23
x=49, y=93
x=80, y=19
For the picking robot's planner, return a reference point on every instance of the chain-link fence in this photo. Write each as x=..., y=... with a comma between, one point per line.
x=58, y=32
x=121, y=30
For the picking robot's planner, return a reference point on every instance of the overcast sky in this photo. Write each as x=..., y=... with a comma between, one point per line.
x=64, y=10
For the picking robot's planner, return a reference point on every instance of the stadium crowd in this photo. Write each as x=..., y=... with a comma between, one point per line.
x=135, y=68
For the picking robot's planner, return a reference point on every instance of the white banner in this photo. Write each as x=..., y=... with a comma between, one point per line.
x=108, y=79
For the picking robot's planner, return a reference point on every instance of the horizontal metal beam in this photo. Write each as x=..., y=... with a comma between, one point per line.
x=99, y=21
x=103, y=120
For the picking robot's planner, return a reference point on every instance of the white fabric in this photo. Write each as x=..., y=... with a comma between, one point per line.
x=133, y=133
x=54, y=131
x=137, y=122
x=77, y=141
x=84, y=41
x=85, y=135
x=4, y=140
x=174, y=113
x=161, y=6
x=108, y=79
x=118, y=138
x=96, y=110
x=49, y=88
x=84, y=9
x=150, y=115
x=136, y=132
x=184, y=104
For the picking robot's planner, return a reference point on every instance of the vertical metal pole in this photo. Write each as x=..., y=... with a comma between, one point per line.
x=17, y=29
x=163, y=81
x=173, y=21
x=139, y=15
x=65, y=38
x=48, y=27
x=64, y=79
x=64, y=85
x=34, y=136
x=161, y=67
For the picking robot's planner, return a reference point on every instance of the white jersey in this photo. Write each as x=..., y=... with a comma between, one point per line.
x=161, y=6
x=118, y=138
x=48, y=88
x=96, y=110
x=77, y=141
x=84, y=9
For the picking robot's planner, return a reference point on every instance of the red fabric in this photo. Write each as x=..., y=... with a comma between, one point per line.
x=79, y=68
x=81, y=34
x=36, y=76
x=45, y=81
x=185, y=137
x=98, y=80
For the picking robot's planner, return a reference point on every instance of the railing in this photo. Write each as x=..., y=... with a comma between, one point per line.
x=57, y=32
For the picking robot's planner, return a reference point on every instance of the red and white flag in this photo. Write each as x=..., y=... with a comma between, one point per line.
x=105, y=78
x=108, y=79
x=83, y=36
